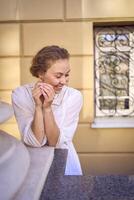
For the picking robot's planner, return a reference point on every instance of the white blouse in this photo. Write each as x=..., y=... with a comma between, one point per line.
x=66, y=107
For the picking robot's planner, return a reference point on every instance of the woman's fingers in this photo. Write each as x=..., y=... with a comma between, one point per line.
x=36, y=92
x=48, y=90
x=37, y=95
x=43, y=93
x=45, y=85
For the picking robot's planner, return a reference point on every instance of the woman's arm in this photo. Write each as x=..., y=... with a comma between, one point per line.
x=38, y=123
x=51, y=129
x=26, y=115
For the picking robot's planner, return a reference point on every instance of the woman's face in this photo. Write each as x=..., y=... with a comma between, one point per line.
x=58, y=74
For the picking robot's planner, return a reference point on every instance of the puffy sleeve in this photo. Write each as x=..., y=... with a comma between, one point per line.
x=70, y=122
x=24, y=113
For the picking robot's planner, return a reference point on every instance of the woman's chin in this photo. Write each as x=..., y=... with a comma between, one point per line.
x=58, y=89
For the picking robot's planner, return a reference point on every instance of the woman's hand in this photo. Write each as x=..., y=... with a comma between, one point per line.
x=37, y=95
x=48, y=94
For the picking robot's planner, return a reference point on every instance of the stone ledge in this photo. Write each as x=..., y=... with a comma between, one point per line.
x=41, y=160
x=23, y=170
x=14, y=165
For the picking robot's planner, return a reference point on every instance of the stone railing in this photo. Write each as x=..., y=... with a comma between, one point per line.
x=23, y=170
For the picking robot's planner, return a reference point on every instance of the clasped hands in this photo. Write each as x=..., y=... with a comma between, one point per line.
x=43, y=94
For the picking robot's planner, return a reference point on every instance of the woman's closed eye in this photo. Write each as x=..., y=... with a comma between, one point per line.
x=66, y=75
x=58, y=76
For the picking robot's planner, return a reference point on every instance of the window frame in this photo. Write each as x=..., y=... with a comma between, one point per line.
x=110, y=121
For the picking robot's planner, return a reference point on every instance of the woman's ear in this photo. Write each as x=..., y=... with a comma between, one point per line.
x=41, y=77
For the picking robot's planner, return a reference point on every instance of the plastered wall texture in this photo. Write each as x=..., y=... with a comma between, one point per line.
x=27, y=26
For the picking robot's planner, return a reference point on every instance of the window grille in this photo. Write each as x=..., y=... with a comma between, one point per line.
x=114, y=71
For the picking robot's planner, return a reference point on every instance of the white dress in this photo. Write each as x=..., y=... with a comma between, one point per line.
x=66, y=107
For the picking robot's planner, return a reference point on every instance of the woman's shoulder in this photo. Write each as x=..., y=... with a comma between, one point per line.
x=73, y=97
x=23, y=95
x=73, y=93
x=23, y=92
x=24, y=88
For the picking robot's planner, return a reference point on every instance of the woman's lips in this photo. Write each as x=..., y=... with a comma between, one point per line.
x=59, y=87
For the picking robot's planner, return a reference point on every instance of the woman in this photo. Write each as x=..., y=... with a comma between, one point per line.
x=47, y=112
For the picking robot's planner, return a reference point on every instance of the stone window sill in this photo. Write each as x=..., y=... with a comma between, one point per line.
x=123, y=122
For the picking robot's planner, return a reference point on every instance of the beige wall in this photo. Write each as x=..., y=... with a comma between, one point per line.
x=27, y=26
